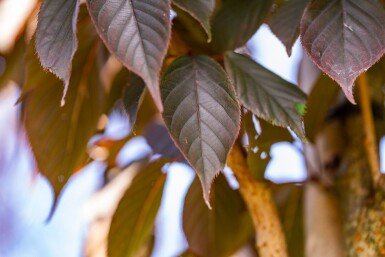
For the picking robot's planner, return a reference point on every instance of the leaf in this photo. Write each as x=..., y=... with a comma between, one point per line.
x=285, y=22
x=131, y=96
x=56, y=41
x=14, y=64
x=200, y=10
x=218, y=232
x=323, y=94
x=289, y=201
x=138, y=33
x=159, y=140
x=134, y=218
x=236, y=21
x=201, y=113
x=344, y=38
x=266, y=94
x=59, y=135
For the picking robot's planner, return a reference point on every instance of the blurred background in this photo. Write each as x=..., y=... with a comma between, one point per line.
x=26, y=197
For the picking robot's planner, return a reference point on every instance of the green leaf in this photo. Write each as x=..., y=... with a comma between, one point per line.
x=218, y=232
x=323, y=94
x=134, y=218
x=131, y=96
x=201, y=113
x=285, y=22
x=56, y=41
x=200, y=10
x=138, y=33
x=344, y=38
x=59, y=135
x=236, y=21
x=266, y=94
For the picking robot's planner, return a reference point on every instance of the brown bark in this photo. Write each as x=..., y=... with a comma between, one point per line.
x=270, y=239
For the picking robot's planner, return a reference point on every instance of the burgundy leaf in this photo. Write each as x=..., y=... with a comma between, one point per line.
x=56, y=41
x=344, y=38
x=137, y=32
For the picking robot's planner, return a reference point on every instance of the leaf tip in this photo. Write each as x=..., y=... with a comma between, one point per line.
x=348, y=91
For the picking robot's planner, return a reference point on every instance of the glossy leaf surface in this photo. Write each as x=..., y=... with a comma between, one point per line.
x=56, y=41
x=59, y=135
x=138, y=33
x=344, y=38
x=218, y=232
x=199, y=9
x=266, y=94
x=201, y=113
x=134, y=218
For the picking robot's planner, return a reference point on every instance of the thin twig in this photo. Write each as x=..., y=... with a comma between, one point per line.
x=368, y=124
x=270, y=239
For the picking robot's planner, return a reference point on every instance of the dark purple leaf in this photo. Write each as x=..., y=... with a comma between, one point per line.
x=56, y=41
x=344, y=38
x=201, y=11
x=138, y=33
x=159, y=139
x=131, y=96
x=266, y=94
x=201, y=113
x=236, y=21
x=285, y=22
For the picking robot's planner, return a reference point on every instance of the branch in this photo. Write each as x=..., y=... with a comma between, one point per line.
x=370, y=136
x=270, y=239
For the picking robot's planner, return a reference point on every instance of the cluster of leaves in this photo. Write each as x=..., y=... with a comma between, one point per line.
x=185, y=68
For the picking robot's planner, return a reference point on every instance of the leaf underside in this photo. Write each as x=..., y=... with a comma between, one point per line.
x=133, y=221
x=138, y=33
x=218, y=232
x=201, y=11
x=344, y=38
x=56, y=41
x=59, y=135
x=264, y=93
x=201, y=113
x=285, y=22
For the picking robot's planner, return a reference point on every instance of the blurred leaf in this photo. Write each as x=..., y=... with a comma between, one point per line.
x=56, y=41
x=285, y=22
x=199, y=9
x=146, y=113
x=218, y=232
x=289, y=200
x=14, y=64
x=59, y=135
x=138, y=33
x=236, y=21
x=190, y=32
x=258, y=156
x=344, y=38
x=159, y=139
x=134, y=218
x=266, y=94
x=201, y=113
x=131, y=96
x=323, y=94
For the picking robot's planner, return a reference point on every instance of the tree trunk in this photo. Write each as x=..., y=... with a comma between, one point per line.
x=343, y=207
